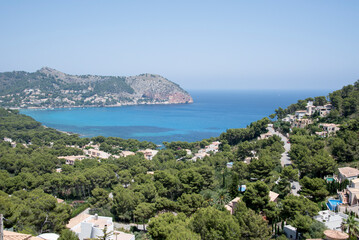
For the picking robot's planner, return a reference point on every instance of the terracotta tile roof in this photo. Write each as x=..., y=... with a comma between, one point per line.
x=348, y=171
x=332, y=234
x=19, y=236
x=273, y=196
x=76, y=220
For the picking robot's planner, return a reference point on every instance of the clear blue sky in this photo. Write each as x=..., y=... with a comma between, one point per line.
x=205, y=44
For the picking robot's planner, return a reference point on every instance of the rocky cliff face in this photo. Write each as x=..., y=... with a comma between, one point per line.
x=158, y=88
x=48, y=87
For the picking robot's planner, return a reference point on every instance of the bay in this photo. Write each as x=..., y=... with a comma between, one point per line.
x=212, y=113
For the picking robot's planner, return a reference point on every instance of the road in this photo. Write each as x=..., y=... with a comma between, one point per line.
x=285, y=159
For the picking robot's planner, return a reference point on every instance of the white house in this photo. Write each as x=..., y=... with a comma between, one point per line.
x=330, y=127
x=348, y=173
x=273, y=197
x=290, y=232
x=213, y=147
x=331, y=219
x=126, y=153
x=324, y=110
x=289, y=118
x=301, y=123
x=265, y=135
x=310, y=108
x=149, y=153
x=92, y=226
x=96, y=153
x=70, y=160
x=200, y=155
x=300, y=114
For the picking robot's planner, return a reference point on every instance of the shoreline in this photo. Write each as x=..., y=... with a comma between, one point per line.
x=94, y=106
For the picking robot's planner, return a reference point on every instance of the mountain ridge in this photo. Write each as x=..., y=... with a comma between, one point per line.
x=50, y=88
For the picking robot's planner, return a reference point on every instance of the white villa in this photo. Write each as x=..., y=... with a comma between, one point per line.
x=300, y=114
x=126, y=153
x=310, y=108
x=96, y=153
x=330, y=127
x=213, y=147
x=330, y=219
x=348, y=173
x=350, y=195
x=88, y=226
x=148, y=153
x=301, y=123
x=265, y=135
x=324, y=110
x=70, y=160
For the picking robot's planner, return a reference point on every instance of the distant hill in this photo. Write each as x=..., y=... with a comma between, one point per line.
x=50, y=88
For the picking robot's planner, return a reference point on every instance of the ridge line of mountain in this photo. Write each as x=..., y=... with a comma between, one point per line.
x=50, y=88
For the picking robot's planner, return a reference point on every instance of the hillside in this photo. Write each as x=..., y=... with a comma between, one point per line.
x=196, y=181
x=50, y=88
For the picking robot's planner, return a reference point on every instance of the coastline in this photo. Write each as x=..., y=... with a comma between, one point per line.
x=98, y=106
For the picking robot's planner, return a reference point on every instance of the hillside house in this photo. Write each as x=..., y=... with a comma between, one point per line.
x=70, y=160
x=331, y=219
x=188, y=152
x=96, y=153
x=310, y=108
x=301, y=123
x=273, y=197
x=350, y=195
x=127, y=153
x=91, y=226
x=9, y=140
x=213, y=147
x=289, y=118
x=330, y=127
x=148, y=153
x=199, y=155
x=324, y=110
x=9, y=235
x=348, y=173
x=232, y=205
x=322, y=134
x=300, y=114
x=265, y=136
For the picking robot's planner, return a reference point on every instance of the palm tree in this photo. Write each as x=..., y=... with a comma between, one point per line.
x=222, y=197
x=352, y=225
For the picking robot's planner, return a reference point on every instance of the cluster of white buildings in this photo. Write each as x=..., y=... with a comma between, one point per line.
x=213, y=147
x=298, y=120
x=310, y=110
x=93, y=151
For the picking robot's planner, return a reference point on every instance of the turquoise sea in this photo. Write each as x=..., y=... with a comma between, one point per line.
x=211, y=114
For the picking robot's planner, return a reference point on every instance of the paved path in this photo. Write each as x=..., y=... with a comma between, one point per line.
x=285, y=159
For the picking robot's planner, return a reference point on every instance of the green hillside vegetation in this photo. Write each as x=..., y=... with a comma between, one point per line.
x=49, y=88
x=197, y=191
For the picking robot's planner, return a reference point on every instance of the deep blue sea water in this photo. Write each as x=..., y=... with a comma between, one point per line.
x=211, y=114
